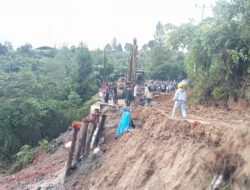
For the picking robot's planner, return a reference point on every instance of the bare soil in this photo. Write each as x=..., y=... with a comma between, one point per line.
x=160, y=153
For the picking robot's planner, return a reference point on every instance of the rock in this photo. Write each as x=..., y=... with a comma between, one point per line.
x=68, y=144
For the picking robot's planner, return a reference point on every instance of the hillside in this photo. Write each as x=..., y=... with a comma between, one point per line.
x=161, y=153
x=166, y=153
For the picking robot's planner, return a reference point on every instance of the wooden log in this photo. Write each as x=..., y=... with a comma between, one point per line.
x=95, y=120
x=99, y=131
x=90, y=135
x=82, y=140
x=71, y=153
x=93, y=140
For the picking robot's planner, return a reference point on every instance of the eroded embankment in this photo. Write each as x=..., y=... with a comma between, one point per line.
x=162, y=153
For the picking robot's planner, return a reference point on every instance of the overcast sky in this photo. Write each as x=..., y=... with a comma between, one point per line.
x=95, y=22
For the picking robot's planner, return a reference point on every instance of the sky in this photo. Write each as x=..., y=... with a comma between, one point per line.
x=94, y=22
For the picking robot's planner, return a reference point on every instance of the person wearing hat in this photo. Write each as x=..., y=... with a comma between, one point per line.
x=180, y=100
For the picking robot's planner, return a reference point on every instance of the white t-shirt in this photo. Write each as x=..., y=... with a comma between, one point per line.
x=147, y=93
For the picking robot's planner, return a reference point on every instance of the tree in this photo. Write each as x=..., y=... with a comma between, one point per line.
x=128, y=47
x=114, y=44
x=25, y=49
x=119, y=48
x=84, y=78
x=8, y=45
x=160, y=60
x=3, y=49
x=218, y=62
x=108, y=48
x=38, y=97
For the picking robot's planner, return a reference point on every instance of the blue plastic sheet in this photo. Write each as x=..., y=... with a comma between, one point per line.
x=124, y=122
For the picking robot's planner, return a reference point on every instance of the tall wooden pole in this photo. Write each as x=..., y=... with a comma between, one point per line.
x=95, y=120
x=89, y=139
x=82, y=141
x=71, y=153
x=100, y=130
x=104, y=63
x=134, y=60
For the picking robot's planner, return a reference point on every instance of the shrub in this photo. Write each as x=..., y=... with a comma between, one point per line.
x=217, y=93
x=43, y=145
x=22, y=158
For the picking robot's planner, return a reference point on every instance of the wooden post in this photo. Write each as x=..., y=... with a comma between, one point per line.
x=94, y=137
x=95, y=120
x=82, y=141
x=100, y=131
x=71, y=153
x=90, y=135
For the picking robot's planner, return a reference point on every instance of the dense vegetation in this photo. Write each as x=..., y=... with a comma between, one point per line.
x=43, y=89
x=218, y=61
x=215, y=53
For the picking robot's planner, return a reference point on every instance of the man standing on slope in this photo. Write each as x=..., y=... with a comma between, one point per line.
x=148, y=95
x=180, y=100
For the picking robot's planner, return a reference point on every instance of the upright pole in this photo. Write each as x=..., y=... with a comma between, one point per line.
x=104, y=63
x=98, y=131
x=89, y=139
x=71, y=153
x=95, y=119
x=203, y=7
x=134, y=60
x=101, y=127
x=130, y=66
x=82, y=141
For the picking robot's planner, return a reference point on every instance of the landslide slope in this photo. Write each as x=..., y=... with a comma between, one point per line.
x=172, y=154
x=161, y=153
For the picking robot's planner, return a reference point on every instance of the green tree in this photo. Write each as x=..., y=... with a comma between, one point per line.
x=159, y=59
x=84, y=79
x=218, y=61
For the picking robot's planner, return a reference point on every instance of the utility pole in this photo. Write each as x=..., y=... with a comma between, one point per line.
x=203, y=7
x=133, y=62
x=104, y=62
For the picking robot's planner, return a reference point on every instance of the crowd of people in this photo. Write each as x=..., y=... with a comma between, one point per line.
x=109, y=90
x=142, y=93
x=162, y=86
x=138, y=93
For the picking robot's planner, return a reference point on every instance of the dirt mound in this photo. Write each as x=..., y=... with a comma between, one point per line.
x=173, y=154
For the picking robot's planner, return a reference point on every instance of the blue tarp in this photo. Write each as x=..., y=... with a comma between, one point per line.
x=124, y=122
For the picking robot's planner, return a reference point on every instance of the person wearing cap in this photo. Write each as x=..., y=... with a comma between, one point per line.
x=180, y=100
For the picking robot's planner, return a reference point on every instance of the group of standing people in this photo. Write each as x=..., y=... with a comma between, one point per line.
x=138, y=92
x=162, y=86
x=109, y=90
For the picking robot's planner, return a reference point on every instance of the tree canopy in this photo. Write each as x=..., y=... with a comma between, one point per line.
x=41, y=92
